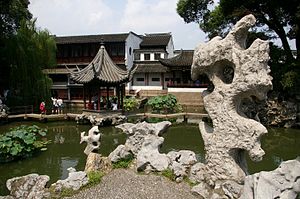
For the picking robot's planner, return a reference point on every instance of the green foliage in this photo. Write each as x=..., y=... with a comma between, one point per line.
x=164, y=104
x=276, y=19
x=21, y=142
x=31, y=51
x=130, y=104
x=94, y=178
x=169, y=174
x=123, y=163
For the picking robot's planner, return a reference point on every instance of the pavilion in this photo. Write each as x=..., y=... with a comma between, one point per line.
x=101, y=72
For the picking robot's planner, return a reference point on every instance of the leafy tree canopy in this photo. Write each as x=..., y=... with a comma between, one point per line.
x=275, y=19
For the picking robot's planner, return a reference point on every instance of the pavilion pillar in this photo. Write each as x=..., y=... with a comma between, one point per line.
x=90, y=98
x=99, y=97
x=162, y=80
x=173, y=82
x=107, y=97
x=118, y=96
x=122, y=96
x=84, y=96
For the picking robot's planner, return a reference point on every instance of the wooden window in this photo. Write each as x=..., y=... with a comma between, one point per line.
x=155, y=79
x=157, y=56
x=146, y=56
x=140, y=79
x=137, y=56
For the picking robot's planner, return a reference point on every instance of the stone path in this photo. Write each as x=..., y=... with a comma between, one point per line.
x=126, y=184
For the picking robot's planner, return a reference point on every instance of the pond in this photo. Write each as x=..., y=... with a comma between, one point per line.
x=65, y=150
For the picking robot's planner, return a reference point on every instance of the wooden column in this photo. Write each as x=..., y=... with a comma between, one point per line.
x=84, y=96
x=122, y=95
x=107, y=97
x=118, y=95
x=90, y=98
x=99, y=97
x=162, y=80
x=173, y=78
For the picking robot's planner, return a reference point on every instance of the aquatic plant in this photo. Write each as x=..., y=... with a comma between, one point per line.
x=22, y=142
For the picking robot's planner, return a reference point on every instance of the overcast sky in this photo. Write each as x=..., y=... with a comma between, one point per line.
x=84, y=17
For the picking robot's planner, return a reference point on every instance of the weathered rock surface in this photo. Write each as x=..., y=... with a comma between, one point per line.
x=31, y=186
x=121, y=152
x=137, y=134
x=101, y=121
x=283, y=182
x=92, y=140
x=95, y=162
x=236, y=73
x=75, y=180
x=181, y=162
x=148, y=158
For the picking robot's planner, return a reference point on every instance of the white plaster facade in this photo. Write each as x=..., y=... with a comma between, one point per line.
x=132, y=42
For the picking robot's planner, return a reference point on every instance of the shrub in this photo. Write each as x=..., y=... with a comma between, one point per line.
x=21, y=142
x=130, y=104
x=164, y=104
x=94, y=178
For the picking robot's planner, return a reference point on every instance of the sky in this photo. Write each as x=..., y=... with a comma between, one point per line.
x=88, y=17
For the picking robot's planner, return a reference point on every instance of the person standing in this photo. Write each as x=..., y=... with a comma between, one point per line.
x=60, y=105
x=54, y=105
x=43, y=108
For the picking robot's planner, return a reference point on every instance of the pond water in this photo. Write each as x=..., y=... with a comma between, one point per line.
x=65, y=150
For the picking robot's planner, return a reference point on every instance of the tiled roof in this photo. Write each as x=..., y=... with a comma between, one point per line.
x=150, y=68
x=183, y=59
x=92, y=38
x=101, y=68
x=161, y=39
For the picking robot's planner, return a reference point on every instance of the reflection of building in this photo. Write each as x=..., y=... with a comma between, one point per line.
x=151, y=56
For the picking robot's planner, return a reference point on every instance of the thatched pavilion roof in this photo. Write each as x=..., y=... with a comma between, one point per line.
x=101, y=68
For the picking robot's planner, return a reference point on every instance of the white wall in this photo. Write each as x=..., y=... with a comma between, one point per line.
x=133, y=42
x=154, y=83
x=186, y=90
x=138, y=83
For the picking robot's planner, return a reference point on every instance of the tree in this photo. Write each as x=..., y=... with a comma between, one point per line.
x=275, y=19
x=31, y=50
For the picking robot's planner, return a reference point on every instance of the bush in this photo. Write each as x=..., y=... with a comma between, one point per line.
x=164, y=104
x=130, y=104
x=22, y=142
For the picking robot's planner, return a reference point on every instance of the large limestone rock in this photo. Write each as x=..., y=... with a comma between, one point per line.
x=148, y=157
x=31, y=186
x=137, y=134
x=75, y=180
x=95, y=162
x=236, y=73
x=92, y=139
x=283, y=182
x=181, y=162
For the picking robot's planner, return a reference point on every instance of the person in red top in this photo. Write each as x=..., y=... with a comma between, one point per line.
x=43, y=108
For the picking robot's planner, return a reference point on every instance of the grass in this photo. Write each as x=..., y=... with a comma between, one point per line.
x=168, y=173
x=123, y=163
x=94, y=178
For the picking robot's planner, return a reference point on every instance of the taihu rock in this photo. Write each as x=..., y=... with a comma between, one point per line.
x=92, y=140
x=96, y=162
x=236, y=72
x=31, y=186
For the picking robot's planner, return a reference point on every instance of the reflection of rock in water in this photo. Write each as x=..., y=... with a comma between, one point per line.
x=59, y=139
x=116, y=141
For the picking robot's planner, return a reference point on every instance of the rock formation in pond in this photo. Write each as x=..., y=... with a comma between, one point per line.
x=143, y=143
x=283, y=182
x=92, y=139
x=236, y=73
x=75, y=180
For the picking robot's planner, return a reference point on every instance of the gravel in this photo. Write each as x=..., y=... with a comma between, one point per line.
x=127, y=184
